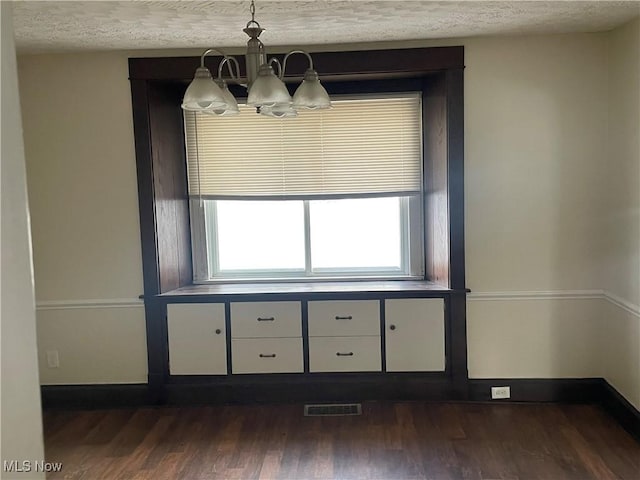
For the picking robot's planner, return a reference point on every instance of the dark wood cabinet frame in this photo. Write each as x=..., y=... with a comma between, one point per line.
x=157, y=87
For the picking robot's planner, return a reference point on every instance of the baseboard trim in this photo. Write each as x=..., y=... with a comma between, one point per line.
x=248, y=389
x=94, y=396
x=621, y=409
x=343, y=388
x=568, y=390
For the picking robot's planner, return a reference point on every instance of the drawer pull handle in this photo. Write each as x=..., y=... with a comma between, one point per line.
x=218, y=331
x=267, y=355
x=350, y=354
x=265, y=319
x=348, y=317
x=392, y=327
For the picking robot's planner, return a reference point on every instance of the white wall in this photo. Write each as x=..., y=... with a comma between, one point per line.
x=536, y=111
x=558, y=287
x=21, y=418
x=535, y=337
x=553, y=207
x=621, y=224
x=83, y=194
x=82, y=176
x=622, y=181
x=535, y=130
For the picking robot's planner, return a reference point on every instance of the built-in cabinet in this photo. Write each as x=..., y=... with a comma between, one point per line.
x=157, y=88
x=369, y=335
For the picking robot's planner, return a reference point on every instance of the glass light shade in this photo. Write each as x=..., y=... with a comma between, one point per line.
x=279, y=111
x=231, y=103
x=268, y=90
x=203, y=94
x=310, y=93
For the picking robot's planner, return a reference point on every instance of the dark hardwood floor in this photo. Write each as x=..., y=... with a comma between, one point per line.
x=389, y=441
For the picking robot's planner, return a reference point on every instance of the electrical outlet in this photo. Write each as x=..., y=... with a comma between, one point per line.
x=53, y=360
x=500, y=392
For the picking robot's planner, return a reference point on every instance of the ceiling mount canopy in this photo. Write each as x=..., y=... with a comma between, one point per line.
x=266, y=89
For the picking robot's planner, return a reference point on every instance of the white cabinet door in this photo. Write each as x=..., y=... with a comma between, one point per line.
x=197, y=339
x=414, y=329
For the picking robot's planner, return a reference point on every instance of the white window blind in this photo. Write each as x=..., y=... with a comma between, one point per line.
x=361, y=147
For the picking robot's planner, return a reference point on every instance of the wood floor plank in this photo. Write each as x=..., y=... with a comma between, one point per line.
x=108, y=427
x=411, y=440
x=597, y=429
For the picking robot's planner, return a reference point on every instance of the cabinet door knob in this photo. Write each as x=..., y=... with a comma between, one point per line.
x=346, y=317
x=265, y=355
x=392, y=327
x=350, y=354
x=265, y=319
x=218, y=331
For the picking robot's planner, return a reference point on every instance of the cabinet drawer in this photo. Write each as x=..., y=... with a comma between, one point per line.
x=344, y=318
x=266, y=355
x=344, y=354
x=197, y=340
x=265, y=319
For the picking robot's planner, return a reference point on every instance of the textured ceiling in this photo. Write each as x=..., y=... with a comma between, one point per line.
x=100, y=25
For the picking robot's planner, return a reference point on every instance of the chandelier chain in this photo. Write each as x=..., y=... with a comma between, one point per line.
x=252, y=10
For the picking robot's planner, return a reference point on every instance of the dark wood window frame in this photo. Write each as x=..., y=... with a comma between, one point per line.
x=157, y=86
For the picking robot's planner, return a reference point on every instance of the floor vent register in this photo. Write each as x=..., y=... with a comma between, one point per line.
x=332, y=410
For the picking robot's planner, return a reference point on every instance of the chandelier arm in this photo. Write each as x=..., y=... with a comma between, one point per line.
x=228, y=60
x=277, y=62
x=207, y=52
x=286, y=57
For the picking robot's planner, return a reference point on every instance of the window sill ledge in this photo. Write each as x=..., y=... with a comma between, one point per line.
x=315, y=290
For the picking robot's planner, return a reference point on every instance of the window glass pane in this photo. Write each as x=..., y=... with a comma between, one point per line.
x=356, y=233
x=260, y=235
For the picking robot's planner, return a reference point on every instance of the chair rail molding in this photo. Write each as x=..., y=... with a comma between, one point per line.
x=509, y=295
x=89, y=304
x=620, y=302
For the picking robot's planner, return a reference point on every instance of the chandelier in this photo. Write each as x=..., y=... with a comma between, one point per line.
x=266, y=90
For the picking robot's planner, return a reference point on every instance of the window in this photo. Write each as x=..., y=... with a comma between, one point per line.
x=330, y=194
